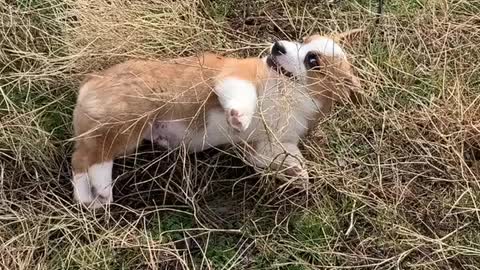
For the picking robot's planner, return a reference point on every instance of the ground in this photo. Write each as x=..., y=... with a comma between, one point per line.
x=395, y=180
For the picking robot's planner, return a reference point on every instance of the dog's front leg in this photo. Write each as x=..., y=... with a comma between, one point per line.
x=239, y=100
x=284, y=157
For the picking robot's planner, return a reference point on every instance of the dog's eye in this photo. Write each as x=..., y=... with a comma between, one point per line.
x=311, y=61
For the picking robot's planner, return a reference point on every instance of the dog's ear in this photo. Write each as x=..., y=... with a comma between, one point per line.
x=348, y=85
x=351, y=81
x=347, y=36
x=355, y=88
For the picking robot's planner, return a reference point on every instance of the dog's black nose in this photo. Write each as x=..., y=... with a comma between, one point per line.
x=278, y=49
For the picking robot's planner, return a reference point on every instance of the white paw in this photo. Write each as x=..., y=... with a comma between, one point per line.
x=94, y=201
x=94, y=189
x=162, y=142
x=88, y=196
x=238, y=120
x=101, y=197
x=297, y=171
x=82, y=191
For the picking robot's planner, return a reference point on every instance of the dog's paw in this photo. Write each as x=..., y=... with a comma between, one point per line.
x=82, y=191
x=102, y=196
x=163, y=142
x=93, y=200
x=86, y=195
x=238, y=120
x=297, y=171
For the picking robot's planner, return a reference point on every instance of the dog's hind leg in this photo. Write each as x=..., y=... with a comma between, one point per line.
x=92, y=163
x=92, y=174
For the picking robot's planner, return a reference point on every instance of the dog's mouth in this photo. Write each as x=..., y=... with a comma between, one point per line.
x=272, y=63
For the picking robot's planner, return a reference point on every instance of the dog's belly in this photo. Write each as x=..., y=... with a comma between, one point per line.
x=216, y=132
x=171, y=134
x=167, y=133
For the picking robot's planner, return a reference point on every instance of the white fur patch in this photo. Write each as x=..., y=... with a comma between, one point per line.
x=239, y=100
x=82, y=191
x=292, y=60
x=217, y=132
x=101, y=180
x=325, y=46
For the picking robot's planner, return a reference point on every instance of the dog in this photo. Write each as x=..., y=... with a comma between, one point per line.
x=267, y=104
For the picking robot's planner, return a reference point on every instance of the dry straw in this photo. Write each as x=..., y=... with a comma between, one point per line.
x=394, y=181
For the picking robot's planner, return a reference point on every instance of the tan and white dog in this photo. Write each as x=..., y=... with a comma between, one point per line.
x=200, y=102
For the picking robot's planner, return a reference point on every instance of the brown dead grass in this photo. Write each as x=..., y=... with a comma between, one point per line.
x=396, y=180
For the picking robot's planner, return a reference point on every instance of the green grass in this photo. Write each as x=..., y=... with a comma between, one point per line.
x=395, y=179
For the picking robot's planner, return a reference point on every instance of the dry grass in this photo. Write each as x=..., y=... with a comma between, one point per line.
x=396, y=180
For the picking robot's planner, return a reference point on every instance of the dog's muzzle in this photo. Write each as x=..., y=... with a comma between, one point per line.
x=278, y=68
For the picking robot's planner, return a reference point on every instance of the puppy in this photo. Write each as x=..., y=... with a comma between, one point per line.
x=200, y=102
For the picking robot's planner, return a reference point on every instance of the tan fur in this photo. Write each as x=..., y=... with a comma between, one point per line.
x=334, y=74
x=118, y=107
x=115, y=107
x=335, y=80
x=337, y=74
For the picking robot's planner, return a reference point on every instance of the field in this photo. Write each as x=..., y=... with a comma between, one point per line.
x=396, y=180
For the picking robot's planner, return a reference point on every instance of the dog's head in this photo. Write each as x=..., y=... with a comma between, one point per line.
x=320, y=62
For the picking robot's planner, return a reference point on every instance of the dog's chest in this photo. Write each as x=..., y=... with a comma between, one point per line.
x=287, y=108
x=284, y=111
